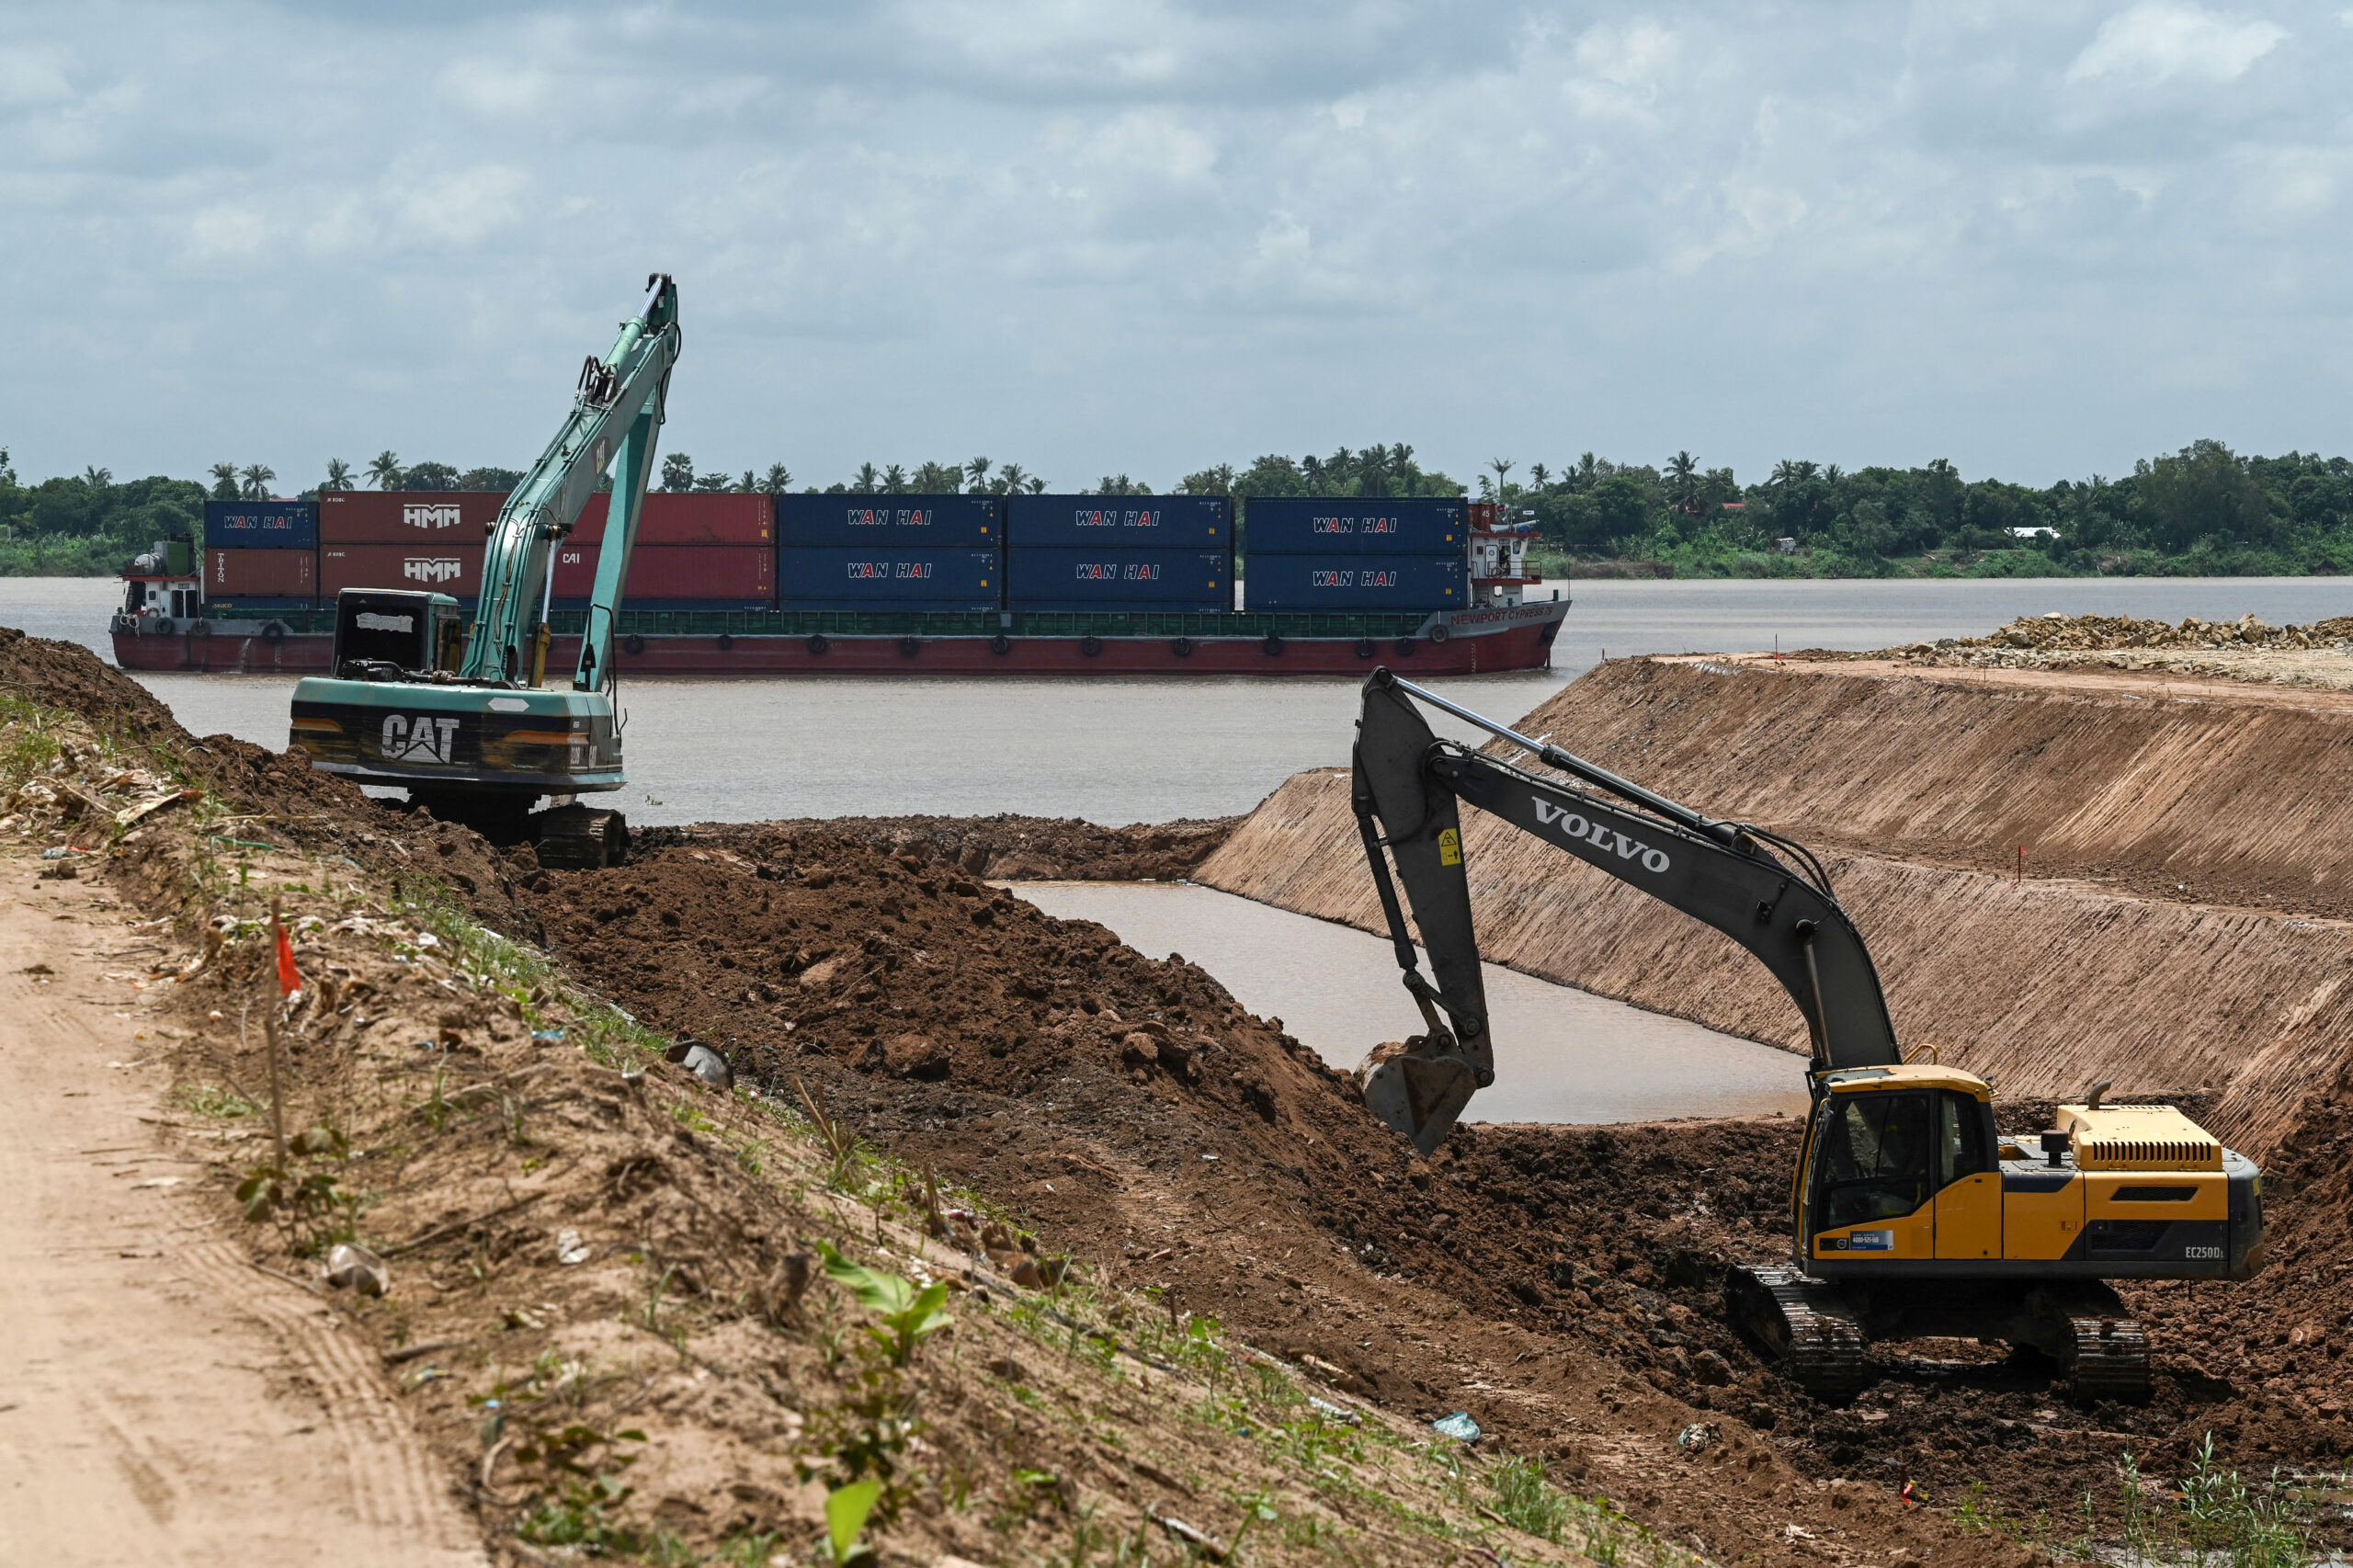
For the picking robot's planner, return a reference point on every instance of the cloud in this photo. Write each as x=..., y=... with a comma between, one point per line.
x=2159, y=40
x=2028, y=235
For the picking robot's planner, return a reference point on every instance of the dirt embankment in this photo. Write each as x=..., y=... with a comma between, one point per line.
x=2187, y=852
x=2320, y=654
x=1562, y=1283
x=1003, y=847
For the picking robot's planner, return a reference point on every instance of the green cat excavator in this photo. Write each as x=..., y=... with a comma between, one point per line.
x=461, y=716
x=1910, y=1215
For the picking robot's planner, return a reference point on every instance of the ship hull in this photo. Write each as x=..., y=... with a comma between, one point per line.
x=1456, y=643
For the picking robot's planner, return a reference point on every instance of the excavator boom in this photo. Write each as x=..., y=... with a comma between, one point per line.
x=1723, y=874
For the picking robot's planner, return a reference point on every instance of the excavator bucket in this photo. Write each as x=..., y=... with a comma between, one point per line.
x=1421, y=1090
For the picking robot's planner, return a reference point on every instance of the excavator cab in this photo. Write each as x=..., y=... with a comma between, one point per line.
x=1910, y=1214
x=396, y=634
x=1899, y=1164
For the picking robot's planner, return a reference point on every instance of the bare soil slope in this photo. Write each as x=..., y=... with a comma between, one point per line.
x=1554, y=1280
x=2150, y=871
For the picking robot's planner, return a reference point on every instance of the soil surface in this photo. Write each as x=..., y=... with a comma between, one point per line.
x=1554, y=1281
x=166, y=1400
x=566, y=1236
x=1010, y=848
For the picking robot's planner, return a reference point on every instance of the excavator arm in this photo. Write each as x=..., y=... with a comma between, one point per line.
x=1406, y=785
x=616, y=412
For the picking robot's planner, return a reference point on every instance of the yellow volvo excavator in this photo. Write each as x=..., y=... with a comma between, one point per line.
x=1910, y=1215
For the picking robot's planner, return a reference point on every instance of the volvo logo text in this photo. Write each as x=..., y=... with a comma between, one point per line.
x=1602, y=836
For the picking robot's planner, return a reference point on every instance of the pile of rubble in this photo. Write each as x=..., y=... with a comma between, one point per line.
x=2244, y=648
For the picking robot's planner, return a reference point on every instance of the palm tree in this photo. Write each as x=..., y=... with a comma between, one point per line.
x=1789, y=471
x=1502, y=467
x=385, y=469
x=867, y=480
x=338, y=475
x=1376, y=470
x=751, y=483
x=1401, y=471
x=678, y=472
x=1037, y=486
x=1683, y=483
x=894, y=480
x=1540, y=474
x=1010, y=479
x=258, y=477
x=979, y=470
x=225, y=481
x=95, y=477
x=778, y=479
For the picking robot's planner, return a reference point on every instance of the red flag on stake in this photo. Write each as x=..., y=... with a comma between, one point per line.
x=289, y=980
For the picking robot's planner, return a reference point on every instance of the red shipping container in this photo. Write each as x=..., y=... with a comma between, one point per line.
x=260, y=573
x=671, y=519
x=453, y=569
x=706, y=573
x=407, y=517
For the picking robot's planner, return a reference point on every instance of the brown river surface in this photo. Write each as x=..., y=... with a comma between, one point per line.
x=1146, y=749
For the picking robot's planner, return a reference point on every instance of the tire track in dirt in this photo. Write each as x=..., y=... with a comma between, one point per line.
x=396, y=1486
x=144, y=1415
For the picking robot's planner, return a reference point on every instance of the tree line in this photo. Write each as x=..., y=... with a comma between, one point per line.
x=2204, y=509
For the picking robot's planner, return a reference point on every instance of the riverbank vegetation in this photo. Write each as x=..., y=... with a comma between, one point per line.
x=2204, y=511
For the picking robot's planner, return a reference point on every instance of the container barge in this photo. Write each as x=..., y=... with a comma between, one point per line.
x=760, y=585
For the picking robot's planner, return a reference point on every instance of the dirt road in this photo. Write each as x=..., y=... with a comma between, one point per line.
x=162, y=1401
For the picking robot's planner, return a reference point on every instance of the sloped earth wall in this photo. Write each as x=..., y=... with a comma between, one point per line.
x=1919, y=792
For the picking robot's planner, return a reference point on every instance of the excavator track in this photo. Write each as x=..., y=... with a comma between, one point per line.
x=1806, y=1323
x=578, y=838
x=2110, y=1359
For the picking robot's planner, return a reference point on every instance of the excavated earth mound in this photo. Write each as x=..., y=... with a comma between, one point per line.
x=1562, y=1284
x=1003, y=847
x=1137, y=1114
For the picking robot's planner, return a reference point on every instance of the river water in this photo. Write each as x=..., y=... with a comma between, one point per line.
x=1561, y=1054
x=1117, y=749
x=1120, y=749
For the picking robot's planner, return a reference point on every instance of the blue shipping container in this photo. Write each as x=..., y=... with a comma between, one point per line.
x=1357, y=582
x=1293, y=526
x=261, y=524
x=1121, y=522
x=1060, y=579
x=890, y=522
x=889, y=578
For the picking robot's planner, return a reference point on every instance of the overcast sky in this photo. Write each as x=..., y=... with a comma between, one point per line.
x=2038, y=239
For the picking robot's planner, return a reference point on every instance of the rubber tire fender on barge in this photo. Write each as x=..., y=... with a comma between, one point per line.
x=1182, y=647
x=1000, y=643
x=817, y=644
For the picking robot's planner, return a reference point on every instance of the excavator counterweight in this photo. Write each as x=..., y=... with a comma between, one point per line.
x=1910, y=1215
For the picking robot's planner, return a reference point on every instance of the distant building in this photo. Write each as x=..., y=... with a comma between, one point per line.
x=2034, y=533
x=1786, y=546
